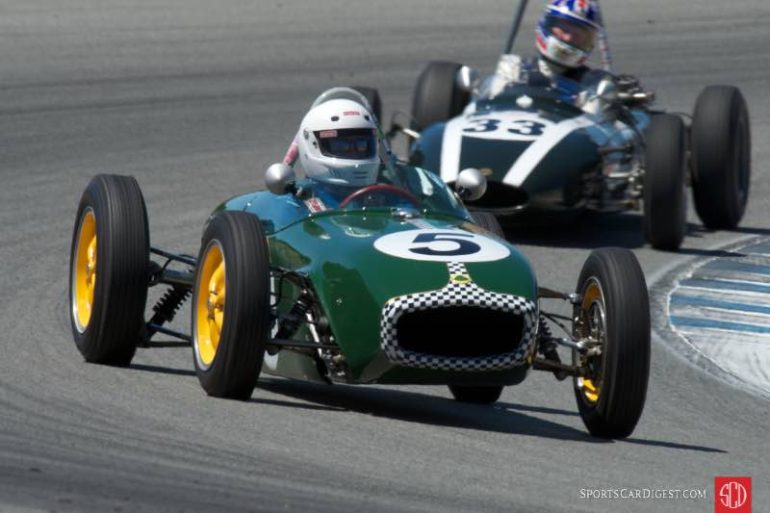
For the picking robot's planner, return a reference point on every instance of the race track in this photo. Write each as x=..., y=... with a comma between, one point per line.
x=195, y=101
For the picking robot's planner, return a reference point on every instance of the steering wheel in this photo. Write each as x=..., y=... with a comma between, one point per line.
x=380, y=187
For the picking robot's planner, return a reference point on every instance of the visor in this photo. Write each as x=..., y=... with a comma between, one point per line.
x=349, y=144
x=573, y=33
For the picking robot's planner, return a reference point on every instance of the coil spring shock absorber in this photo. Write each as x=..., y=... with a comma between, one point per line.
x=547, y=347
x=290, y=323
x=168, y=306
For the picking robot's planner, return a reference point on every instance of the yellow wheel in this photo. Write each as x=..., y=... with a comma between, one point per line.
x=109, y=263
x=84, y=269
x=594, y=320
x=210, y=304
x=613, y=320
x=231, y=307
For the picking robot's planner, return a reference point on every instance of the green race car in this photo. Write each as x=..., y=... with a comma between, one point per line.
x=392, y=283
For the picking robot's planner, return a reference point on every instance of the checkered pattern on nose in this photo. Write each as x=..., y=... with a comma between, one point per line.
x=458, y=293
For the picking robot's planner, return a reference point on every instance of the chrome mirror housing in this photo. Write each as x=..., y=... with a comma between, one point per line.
x=466, y=78
x=280, y=178
x=471, y=184
x=607, y=90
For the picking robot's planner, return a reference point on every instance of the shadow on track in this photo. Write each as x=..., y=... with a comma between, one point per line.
x=425, y=409
x=428, y=409
x=672, y=445
x=591, y=230
x=502, y=417
x=588, y=230
x=161, y=370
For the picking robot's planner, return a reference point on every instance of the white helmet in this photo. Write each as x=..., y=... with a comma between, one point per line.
x=337, y=142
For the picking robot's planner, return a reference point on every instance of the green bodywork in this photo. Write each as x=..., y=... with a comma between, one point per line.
x=352, y=280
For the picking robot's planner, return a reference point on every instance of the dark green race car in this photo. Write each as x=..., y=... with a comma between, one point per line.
x=394, y=283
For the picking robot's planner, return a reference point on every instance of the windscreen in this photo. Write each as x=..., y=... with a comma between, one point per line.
x=397, y=186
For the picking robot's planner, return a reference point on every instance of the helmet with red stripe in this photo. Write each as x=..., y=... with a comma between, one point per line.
x=338, y=139
x=567, y=31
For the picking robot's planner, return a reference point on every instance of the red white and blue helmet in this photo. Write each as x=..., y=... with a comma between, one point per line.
x=567, y=31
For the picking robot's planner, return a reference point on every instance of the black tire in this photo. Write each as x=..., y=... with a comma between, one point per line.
x=436, y=95
x=488, y=221
x=230, y=367
x=476, y=395
x=721, y=157
x=665, y=198
x=107, y=297
x=372, y=95
x=620, y=374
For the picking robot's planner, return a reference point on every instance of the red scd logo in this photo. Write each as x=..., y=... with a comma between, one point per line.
x=732, y=494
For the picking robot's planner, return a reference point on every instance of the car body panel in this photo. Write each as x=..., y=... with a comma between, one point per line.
x=353, y=280
x=536, y=148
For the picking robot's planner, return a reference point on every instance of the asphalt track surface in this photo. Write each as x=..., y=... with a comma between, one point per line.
x=195, y=100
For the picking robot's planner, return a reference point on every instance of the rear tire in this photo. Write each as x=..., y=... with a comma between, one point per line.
x=615, y=308
x=489, y=222
x=436, y=95
x=665, y=200
x=109, y=263
x=231, y=305
x=476, y=395
x=721, y=157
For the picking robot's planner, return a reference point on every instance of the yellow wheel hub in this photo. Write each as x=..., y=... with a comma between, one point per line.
x=590, y=390
x=210, y=304
x=591, y=387
x=84, y=272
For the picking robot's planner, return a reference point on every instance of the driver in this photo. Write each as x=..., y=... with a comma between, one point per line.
x=337, y=145
x=565, y=37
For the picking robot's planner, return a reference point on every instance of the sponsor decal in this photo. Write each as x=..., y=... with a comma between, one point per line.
x=732, y=494
x=325, y=134
x=460, y=279
x=351, y=113
x=434, y=245
x=315, y=205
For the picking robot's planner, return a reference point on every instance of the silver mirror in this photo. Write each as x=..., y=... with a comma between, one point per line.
x=471, y=184
x=280, y=178
x=466, y=78
x=607, y=90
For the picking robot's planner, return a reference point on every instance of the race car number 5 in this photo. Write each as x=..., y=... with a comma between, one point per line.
x=447, y=244
x=441, y=246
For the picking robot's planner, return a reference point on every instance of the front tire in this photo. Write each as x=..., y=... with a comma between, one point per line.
x=476, y=395
x=721, y=157
x=615, y=311
x=665, y=200
x=231, y=305
x=109, y=262
x=436, y=95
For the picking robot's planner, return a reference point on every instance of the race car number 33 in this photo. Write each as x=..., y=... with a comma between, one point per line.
x=441, y=246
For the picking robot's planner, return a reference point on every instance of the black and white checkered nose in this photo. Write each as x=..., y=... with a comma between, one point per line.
x=460, y=327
